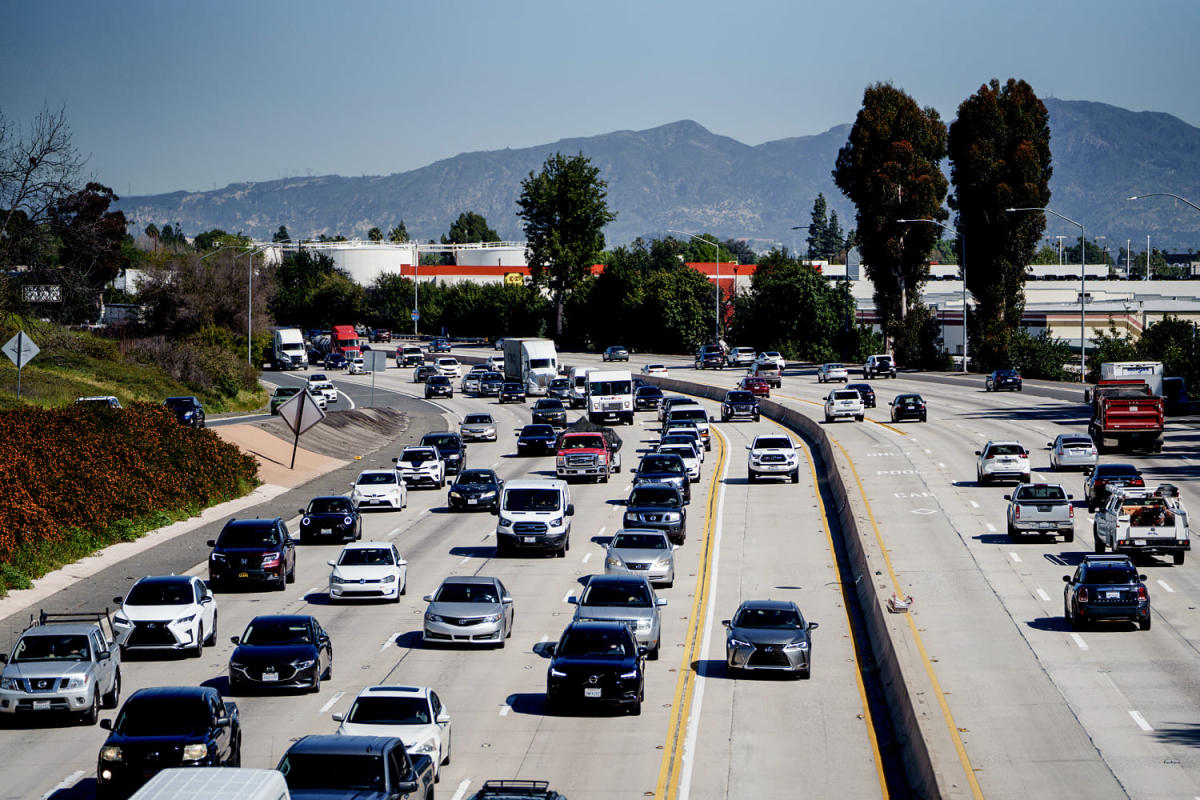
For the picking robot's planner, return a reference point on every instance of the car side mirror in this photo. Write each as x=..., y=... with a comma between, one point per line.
x=1087, y=471
x=643, y=650
x=206, y=599
x=726, y=622
x=495, y=512
x=235, y=639
x=1008, y=497
x=402, y=563
x=118, y=600
x=1049, y=444
x=3, y=658
x=211, y=543
x=395, y=460
x=222, y=721
x=1141, y=577
x=748, y=447
x=812, y=626
x=573, y=600
x=978, y=453
x=103, y=655
x=442, y=718
x=660, y=601
x=338, y=716
x=405, y=788
x=676, y=546
x=300, y=511
x=331, y=563
x=428, y=598
x=106, y=724
x=570, y=509
x=1066, y=578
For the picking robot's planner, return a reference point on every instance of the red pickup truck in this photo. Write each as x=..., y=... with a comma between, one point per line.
x=1129, y=413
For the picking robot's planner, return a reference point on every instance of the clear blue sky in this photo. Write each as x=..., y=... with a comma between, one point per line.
x=190, y=95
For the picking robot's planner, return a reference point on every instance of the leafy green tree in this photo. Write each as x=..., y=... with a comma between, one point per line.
x=210, y=240
x=398, y=233
x=565, y=210
x=1040, y=356
x=999, y=149
x=1176, y=344
x=293, y=283
x=468, y=228
x=1045, y=255
x=91, y=250
x=1093, y=252
x=818, y=228
x=676, y=310
x=835, y=243
x=375, y=235
x=1158, y=265
x=890, y=170
x=152, y=234
x=1114, y=345
x=337, y=300
x=281, y=235
x=739, y=251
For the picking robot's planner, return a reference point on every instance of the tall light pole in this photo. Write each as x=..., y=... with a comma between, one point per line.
x=1082, y=284
x=798, y=228
x=717, y=322
x=250, y=299
x=963, y=268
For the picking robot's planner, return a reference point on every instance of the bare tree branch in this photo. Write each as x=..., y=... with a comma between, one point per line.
x=37, y=166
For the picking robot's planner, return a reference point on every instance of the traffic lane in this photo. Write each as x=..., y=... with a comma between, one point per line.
x=774, y=546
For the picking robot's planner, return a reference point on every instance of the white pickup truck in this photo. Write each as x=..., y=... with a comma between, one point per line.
x=1139, y=520
x=1043, y=508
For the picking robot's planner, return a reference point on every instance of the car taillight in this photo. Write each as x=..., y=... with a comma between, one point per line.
x=1017, y=512
x=1137, y=482
x=1072, y=508
x=1142, y=595
x=1082, y=594
x=990, y=455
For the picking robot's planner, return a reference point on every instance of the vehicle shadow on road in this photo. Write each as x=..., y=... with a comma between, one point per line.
x=474, y=551
x=83, y=790
x=711, y=668
x=532, y=703
x=1052, y=624
x=220, y=683
x=318, y=599
x=1070, y=558
x=1185, y=733
x=412, y=640
x=603, y=541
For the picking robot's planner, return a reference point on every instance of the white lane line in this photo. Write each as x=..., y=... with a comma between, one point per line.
x=603, y=528
x=928, y=452
x=64, y=783
x=1140, y=720
x=1079, y=641
x=349, y=399
x=1042, y=594
x=588, y=557
x=313, y=590
x=974, y=504
x=495, y=465
x=332, y=702
x=462, y=789
x=942, y=464
x=504, y=709
x=1166, y=586
x=990, y=527
x=392, y=532
x=388, y=642
x=1014, y=556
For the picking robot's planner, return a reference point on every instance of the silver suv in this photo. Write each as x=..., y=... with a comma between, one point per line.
x=623, y=598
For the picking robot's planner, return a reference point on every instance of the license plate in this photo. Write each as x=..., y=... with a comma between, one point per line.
x=528, y=539
x=1113, y=595
x=268, y=677
x=589, y=692
x=326, y=530
x=41, y=705
x=472, y=501
x=375, y=501
x=1139, y=542
x=243, y=574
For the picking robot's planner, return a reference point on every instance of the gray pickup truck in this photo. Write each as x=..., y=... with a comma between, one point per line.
x=1041, y=508
x=62, y=664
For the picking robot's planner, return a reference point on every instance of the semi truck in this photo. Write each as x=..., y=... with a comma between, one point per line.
x=287, y=349
x=532, y=362
x=344, y=339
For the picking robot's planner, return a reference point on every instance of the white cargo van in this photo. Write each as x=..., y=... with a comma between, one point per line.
x=534, y=515
x=214, y=783
x=577, y=378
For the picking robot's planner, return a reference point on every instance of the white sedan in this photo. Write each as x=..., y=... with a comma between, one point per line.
x=654, y=369
x=368, y=571
x=376, y=488
x=169, y=612
x=832, y=372
x=413, y=714
x=326, y=388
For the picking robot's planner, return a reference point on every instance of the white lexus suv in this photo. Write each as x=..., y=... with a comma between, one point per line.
x=169, y=612
x=773, y=455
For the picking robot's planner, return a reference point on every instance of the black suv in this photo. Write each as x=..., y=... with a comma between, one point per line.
x=330, y=518
x=1008, y=379
x=167, y=726
x=664, y=468
x=1103, y=588
x=188, y=410
x=1101, y=479
x=326, y=767
x=537, y=440
x=549, y=411
x=438, y=386
x=908, y=406
x=659, y=506
x=739, y=404
x=596, y=663
x=865, y=392
x=450, y=447
x=647, y=398
x=252, y=551
x=511, y=392
x=710, y=357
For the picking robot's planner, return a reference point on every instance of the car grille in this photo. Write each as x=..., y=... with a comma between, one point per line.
x=581, y=461
x=362, y=593
x=35, y=685
x=462, y=621
x=638, y=565
x=768, y=656
x=529, y=527
x=150, y=634
x=773, y=458
x=743, y=408
x=285, y=672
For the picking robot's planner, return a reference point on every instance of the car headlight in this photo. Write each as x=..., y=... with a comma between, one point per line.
x=111, y=753
x=433, y=618
x=389, y=578
x=738, y=643
x=662, y=561
x=236, y=665
x=631, y=516
x=347, y=520
x=555, y=673
x=455, y=494
x=10, y=684
x=194, y=752
x=188, y=618
x=616, y=562
x=423, y=747
x=633, y=673
x=77, y=682
x=336, y=579
x=505, y=522
x=642, y=626
x=556, y=522
x=488, y=493
x=305, y=521
x=671, y=516
x=217, y=556
x=304, y=663
x=796, y=646
x=491, y=618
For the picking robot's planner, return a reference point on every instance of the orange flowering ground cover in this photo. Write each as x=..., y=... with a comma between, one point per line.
x=82, y=471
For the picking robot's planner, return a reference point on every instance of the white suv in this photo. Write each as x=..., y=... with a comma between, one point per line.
x=832, y=372
x=740, y=357
x=773, y=455
x=534, y=515
x=844, y=403
x=881, y=366
x=448, y=366
x=421, y=465
x=1000, y=460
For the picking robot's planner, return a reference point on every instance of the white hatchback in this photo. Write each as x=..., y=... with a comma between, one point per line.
x=376, y=488
x=413, y=714
x=368, y=571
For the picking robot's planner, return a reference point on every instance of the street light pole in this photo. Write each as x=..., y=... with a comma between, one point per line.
x=963, y=268
x=1082, y=285
x=717, y=245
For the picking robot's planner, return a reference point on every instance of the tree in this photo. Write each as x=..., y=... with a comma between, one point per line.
x=211, y=240
x=398, y=233
x=470, y=227
x=835, y=244
x=999, y=149
x=293, y=283
x=565, y=210
x=739, y=252
x=281, y=235
x=818, y=228
x=91, y=252
x=152, y=233
x=375, y=235
x=38, y=168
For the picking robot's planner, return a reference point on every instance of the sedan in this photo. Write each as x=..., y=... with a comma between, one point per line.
x=376, y=488
x=281, y=651
x=628, y=599
x=511, y=392
x=171, y=612
x=413, y=714
x=999, y=379
x=615, y=353
x=281, y=395
x=469, y=609
x=755, y=385
x=368, y=571
x=1102, y=479
x=596, y=663
x=478, y=427
x=424, y=373
x=474, y=489
x=560, y=388
x=641, y=551
x=865, y=392
x=647, y=398
x=687, y=452
x=549, y=411
x=1072, y=451
x=769, y=635
x=655, y=369
x=832, y=372
x=438, y=386
x=533, y=440
x=330, y=517
x=1106, y=587
x=908, y=406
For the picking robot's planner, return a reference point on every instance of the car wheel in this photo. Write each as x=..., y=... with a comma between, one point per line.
x=858, y=418
x=291, y=574
x=751, y=477
x=1177, y=558
x=804, y=674
x=636, y=709
x=796, y=475
x=316, y=685
x=198, y=650
x=90, y=716
x=235, y=757
x=828, y=419
x=281, y=584
x=1069, y=536
x=1099, y=546
x=1144, y=624
x=113, y=698
x=653, y=654
x=212, y=635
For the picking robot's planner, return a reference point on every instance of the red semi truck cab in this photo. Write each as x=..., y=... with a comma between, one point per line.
x=344, y=339
x=1126, y=411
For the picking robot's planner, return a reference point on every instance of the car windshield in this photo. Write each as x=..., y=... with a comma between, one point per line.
x=51, y=648
x=511, y=387
x=690, y=414
x=583, y=442
x=772, y=443
x=1041, y=493
x=778, y=618
x=418, y=456
x=640, y=541
x=549, y=404
x=466, y=593
x=1109, y=575
x=249, y=536
x=537, y=430
x=366, y=556
x=492, y=376
x=862, y=388
x=649, y=391
x=161, y=593
x=909, y=400
x=381, y=710
x=531, y=500
x=447, y=362
x=627, y=593
x=654, y=496
x=476, y=478
x=376, y=478
x=540, y=363
x=330, y=505
x=180, y=403
x=287, y=391
x=1006, y=450
x=440, y=440
x=1117, y=471
x=163, y=716
x=608, y=643
x=844, y=395
x=267, y=633
x=671, y=466
x=439, y=380
x=739, y=397
x=610, y=387
x=834, y=366
x=477, y=419
x=681, y=450
x=340, y=772
x=1006, y=373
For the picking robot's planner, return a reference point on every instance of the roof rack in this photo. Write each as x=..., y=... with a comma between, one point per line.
x=516, y=787
x=1105, y=557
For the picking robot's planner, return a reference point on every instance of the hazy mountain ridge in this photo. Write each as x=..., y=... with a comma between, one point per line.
x=682, y=176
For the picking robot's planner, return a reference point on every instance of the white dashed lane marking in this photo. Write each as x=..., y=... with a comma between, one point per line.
x=1079, y=641
x=1140, y=720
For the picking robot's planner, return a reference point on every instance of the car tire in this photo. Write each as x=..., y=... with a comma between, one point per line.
x=212, y=635
x=198, y=650
x=796, y=475
x=1069, y=536
x=291, y=574
x=804, y=674
x=751, y=476
x=636, y=709
x=653, y=654
x=113, y=698
x=858, y=418
x=316, y=687
x=1144, y=624
x=828, y=419
x=281, y=585
x=90, y=716
x=1098, y=545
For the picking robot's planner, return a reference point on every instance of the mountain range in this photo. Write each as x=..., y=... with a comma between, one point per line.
x=682, y=176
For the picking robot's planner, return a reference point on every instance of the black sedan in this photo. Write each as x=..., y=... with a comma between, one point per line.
x=475, y=489
x=281, y=651
x=512, y=392
x=865, y=392
x=424, y=372
x=1103, y=478
x=908, y=406
x=490, y=384
x=330, y=518
x=647, y=398
x=163, y=727
x=450, y=448
x=537, y=440
x=1008, y=379
x=188, y=410
x=252, y=551
x=438, y=386
x=596, y=664
x=335, y=361
x=549, y=411
x=1106, y=588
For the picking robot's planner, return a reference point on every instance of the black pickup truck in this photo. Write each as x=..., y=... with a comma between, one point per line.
x=331, y=767
x=167, y=726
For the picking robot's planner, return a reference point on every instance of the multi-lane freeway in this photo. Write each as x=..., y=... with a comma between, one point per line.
x=1029, y=708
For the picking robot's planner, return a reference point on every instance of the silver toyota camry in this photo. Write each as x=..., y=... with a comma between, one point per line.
x=640, y=551
x=769, y=635
x=469, y=609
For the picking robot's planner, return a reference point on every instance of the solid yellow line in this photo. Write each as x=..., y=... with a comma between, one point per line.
x=912, y=626
x=865, y=419
x=669, y=771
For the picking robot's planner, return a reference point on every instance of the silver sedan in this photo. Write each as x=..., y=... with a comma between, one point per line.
x=639, y=551
x=478, y=426
x=1072, y=451
x=469, y=609
x=769, y=635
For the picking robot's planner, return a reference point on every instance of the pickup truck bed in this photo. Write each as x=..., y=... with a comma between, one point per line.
x=1041, y=508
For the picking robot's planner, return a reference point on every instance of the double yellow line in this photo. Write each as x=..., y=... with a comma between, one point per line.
x=670, y=771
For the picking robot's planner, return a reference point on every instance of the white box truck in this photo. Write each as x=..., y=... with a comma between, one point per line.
x=610, y=395
x=533, y=362
x=287, y=351
x=214, y=783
